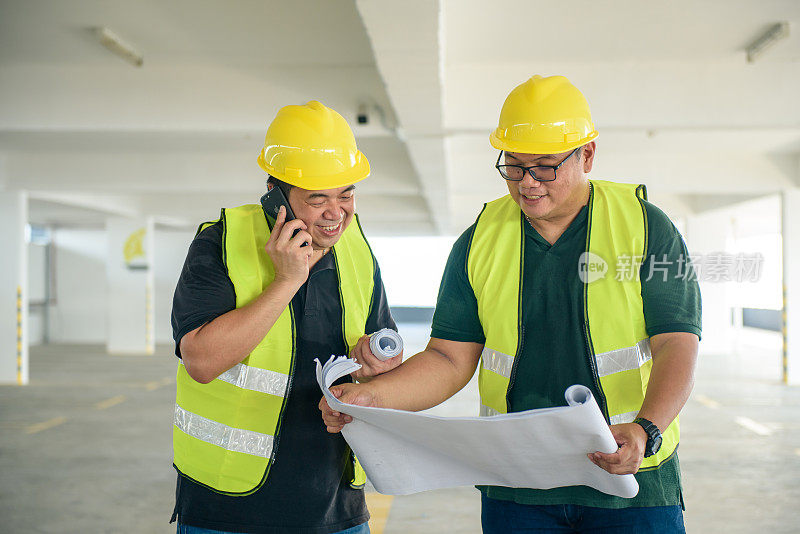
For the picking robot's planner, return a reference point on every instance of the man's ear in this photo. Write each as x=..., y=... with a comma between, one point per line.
x=587, y=156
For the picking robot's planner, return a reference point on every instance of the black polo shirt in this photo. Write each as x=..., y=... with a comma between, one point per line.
x=308, y=487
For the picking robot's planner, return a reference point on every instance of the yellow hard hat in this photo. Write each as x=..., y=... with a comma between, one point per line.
x=312, y=147
x=544, y=116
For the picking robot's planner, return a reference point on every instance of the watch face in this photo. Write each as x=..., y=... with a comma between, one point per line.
x=656, y=444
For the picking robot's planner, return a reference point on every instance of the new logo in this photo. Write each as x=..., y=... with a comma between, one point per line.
x=591, y=267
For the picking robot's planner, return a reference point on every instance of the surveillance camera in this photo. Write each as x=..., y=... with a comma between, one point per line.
x=362, y=116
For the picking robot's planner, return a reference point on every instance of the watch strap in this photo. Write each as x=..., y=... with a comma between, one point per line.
x=653, y=435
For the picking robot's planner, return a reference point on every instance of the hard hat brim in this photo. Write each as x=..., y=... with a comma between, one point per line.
x=352, y=175
x=538, y=148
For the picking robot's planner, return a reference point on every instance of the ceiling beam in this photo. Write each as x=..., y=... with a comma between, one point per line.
x=406, y=41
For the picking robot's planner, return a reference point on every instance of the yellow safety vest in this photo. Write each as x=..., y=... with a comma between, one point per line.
x=226, y=432
x=618, y=344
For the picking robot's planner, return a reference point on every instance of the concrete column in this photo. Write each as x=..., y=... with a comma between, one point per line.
x=13, y=288
x=707, y=234
x=790, y=233
x=130, y=286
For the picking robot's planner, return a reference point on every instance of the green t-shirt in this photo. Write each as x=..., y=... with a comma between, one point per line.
x=554, y=354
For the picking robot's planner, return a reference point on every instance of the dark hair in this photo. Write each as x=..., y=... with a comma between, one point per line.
x=280, y=184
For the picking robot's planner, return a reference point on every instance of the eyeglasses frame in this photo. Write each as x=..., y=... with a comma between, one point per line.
x=530, y=169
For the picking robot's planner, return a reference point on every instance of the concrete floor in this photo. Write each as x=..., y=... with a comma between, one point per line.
x=86, y=447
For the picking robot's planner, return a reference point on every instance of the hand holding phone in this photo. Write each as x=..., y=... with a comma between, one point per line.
x=288, y=249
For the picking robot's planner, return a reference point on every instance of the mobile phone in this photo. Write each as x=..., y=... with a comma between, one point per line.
x=271, y=203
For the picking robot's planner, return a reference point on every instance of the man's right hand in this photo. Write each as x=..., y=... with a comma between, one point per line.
x=290, y=257
x=357, y=394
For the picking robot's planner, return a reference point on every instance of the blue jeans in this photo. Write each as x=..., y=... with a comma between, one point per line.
x=505, y=517
x=363, y=528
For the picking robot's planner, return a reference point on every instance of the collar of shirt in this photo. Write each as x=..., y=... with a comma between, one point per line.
x=324, y=263
x=578, y=223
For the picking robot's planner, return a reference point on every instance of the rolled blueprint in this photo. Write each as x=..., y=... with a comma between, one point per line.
x=385, y=344
x=407, y=452
x=577, y=394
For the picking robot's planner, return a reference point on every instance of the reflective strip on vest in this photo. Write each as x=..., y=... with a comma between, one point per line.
x=624, y=418
x=496, y=361
x=624, y=359
x=229, y=438
x=486, y=411
x=255, y=379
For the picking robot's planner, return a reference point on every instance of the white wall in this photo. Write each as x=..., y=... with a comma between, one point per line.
x=81, y=291
x=37, y=280
x=79, y=315
x=746, y=228
x=170, y=251
x=412, y=267
x=709, y=234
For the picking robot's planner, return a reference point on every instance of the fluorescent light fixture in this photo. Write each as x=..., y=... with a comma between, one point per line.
x=113, y=42
x=767, y=40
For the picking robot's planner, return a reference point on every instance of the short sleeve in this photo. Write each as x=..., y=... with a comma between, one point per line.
x=670, y=293
x=204, y=290
x=456, y=316
x=380, y=316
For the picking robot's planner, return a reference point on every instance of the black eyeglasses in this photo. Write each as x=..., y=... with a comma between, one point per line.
x=540, y=173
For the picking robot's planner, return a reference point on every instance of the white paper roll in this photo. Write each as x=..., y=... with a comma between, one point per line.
x=385, y=344
x=577, y=394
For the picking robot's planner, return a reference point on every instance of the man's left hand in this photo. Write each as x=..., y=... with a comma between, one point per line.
x=631, y=440
x=370, y=364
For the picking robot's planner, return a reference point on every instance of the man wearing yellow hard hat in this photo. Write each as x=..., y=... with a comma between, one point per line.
x=563, y=281
x=254, y=305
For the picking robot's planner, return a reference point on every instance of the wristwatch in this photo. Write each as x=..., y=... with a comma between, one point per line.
x=653, y=436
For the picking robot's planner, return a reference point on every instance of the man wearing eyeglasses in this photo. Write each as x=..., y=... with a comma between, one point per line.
x=563, y=281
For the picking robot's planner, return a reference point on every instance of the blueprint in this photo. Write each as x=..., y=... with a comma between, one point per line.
x=407, y=452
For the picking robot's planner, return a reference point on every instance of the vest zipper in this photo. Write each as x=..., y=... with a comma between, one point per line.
x=352, y=455
x=514, y=368
x=520, y=324
x=284, y=403
x=602, y=401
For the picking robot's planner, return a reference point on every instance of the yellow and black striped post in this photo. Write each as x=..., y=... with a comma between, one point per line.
x=19, y=335
x=784, y=332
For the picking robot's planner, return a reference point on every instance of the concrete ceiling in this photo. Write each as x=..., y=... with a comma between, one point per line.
x=676, y=103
